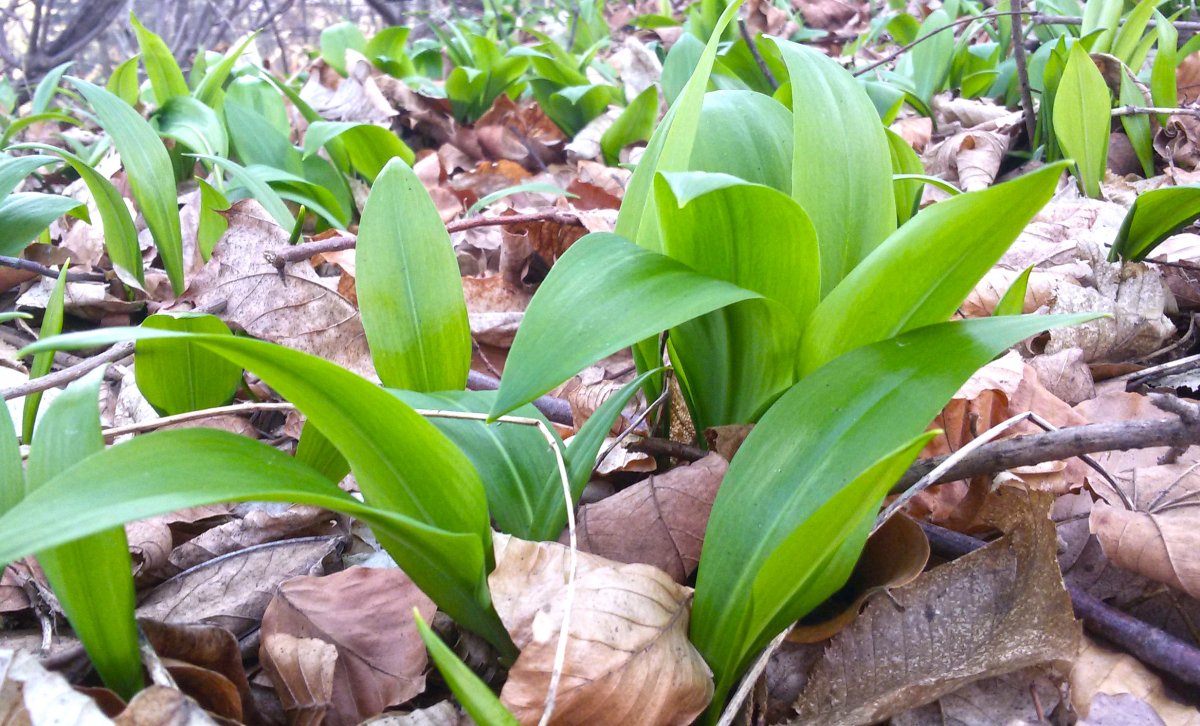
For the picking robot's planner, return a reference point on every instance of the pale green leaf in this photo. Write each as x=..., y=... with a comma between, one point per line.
x=1154, y=216
x=474, y=695
x=165, y=76
x=180, y=377
x=24, y=215
x=52, y=322
x=1081, y=118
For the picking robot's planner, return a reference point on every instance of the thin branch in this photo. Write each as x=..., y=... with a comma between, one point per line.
x=554, y=409
x=762, y=64
x=17, y=263
x=67, y=375
x=1147, y=643
x=1018, y=48
x=1140, y=110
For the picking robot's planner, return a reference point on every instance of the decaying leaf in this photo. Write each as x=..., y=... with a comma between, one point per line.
x=628, y=658
x=206, y=663
x=1006, y=699
x=1100, y=670
x=162, y=706
x=350, y=610
x=302, y=670
x=354, y=98
x=31, y=694
x=993, y=611
x=254, y=524
x=441, y=714
x=659, y=521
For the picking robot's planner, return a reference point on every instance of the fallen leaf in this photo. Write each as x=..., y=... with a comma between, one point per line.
x=204, y=648
x=996, y=610
x=1123, y=709
x=355, y=98
x=302, y=671
x=659, y=521
x=440, y=714
x=162, y=706
x=350, y=610
x=1006, y=699
x=1065, y=375
x=1100, y=670
x=254, y=524
x=29, y=694
x=628, y=658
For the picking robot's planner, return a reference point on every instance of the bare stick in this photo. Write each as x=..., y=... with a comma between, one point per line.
x=1141, y=110
x=1147, y=643
x=909, y=46
x=666, y=447
x=230, y=410
x=1018, y=48
x=555, y=409
x=762, y=64
x=17, y=263
x=760, y=664
x=281, y=257
x=67, y=375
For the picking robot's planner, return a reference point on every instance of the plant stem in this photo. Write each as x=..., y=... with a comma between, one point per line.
x=1018, y=49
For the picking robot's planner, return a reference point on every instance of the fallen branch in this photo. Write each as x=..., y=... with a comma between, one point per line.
x=1147, y=643
x=17, y=263
x=555, y=409
x=1146, y=110
x=283, y=256
x=67, y=375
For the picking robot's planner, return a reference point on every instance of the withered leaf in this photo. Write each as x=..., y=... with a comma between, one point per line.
x=302, y=671
x=162, y=706
x=191, y=652
x=1100, y=670
x=31, y=694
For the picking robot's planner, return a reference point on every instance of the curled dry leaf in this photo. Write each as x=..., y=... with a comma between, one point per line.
x=295, y=308
x=971, y=159
x=1178, y=142
x=302, y=670
x=659, y=521
x=206, y=663
x=366, y=614
x=971, y=112
x=355, y=98
x=986, y=295
x=1099, y=670
x=996, y=610
x=31, y=694
x=162, y=706
x=1159, y=538
x=628, y=657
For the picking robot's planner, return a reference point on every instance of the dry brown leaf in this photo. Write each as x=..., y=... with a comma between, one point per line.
x=1159, y=539
x=628, y=657
x=31, y=694
x=350, y=610
x=233, y=591
x=162, y=706
x=1119, y=405
x=1178, y=142
x=1039, y=292
x=441, y=714
x=1123, y=709
x=207, y=665
x=1100, y=670
x=827, y=14
x=302, y=671
x=255, y=524
x=659, y=521
x=620, y=459
x=637, y=66
x=296, y=308
x=12, y=595
x=996, y=610
x=355, y=98
x=1006, y=699
x=1065, y=375
x=495, y=307
x=971, y=159
x=916, y=130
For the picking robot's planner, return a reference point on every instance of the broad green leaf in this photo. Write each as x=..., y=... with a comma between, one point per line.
x=47, y=88
x=908, y=191
x=258, y=189
x=635, y=123
x=316, y=451
x=931, y=59
x=843, y=180
x=745, y=134
x=386, y=51
x=336, y=40
x=922, y=273
x=294, y=188
x=148, y=167
x=1081, y=118
x=257, y=141
x=90, y=576
x=409, y=289
x=1154, y=216
x=815, y=441
x=573, y=107
x=14, y=169
x=680, y=64
x=12, y=474
x=263, y=96
x=613, y=294
x=1013, y=301
x=370, y=147
x=1163, y=88
x=24, y=215
x=165, y=76
x=1102, y=17
x=514, y=462
x=735, y=361
x=1137, y=126
x=123, y=83
x=120, y=233
x=475, y=696
x=189, y=122
x=25, y=122
x=210, y=91
x=212, y=223
x=445, y=545
x=52, y=322
x=179, y=377
x=1129, y=34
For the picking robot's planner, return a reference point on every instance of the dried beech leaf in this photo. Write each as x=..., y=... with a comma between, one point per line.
x=628, y=656
x=441, y=714
x=894, y=556
x=302, y=671
x=993, y=611
x=350, y=610
x=207, y=648
x=1100, y=670
x=1123, y=709
x=1005, y=699
x=1159, y=539
x=1065, y=375
x=296, y=308
x=31, y=694
x=259, y=523
x=659, y=521
x=212, y=691
x=232, y=592
x=162, y=706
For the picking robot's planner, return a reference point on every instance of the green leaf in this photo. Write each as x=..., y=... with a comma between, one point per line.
x=1101, y=17
x=1163, y=88
x=336, y=40
x=409, y=288
x=25, y=122
x=120, y=233
x=212, y=223
x=258, y=189
x=931, y=59
x=818, y=439
x=179, y=377
x=52, y=322
x=258, y=141
x=90, y=576
x=210, y=91
x=47, y=88
x=386, y=51
x=1013, y=301
x=165, y=76
x=148, y=167
x=445, y=541
x=123, y=83
x=14, y=169
x=842, y=180
x=1154, y=216
x=1137, y=126
x=905, y=162
x=474, y=695
x=370, y=147
x=12, y=474
x=747, y=135
x=1129, y=34
x=922, y=273
x=315, y=450
x=189, y=122
x=603, y=294
x=24, y=215
x=540, y=187
x=1081, y=118
x=635, y=123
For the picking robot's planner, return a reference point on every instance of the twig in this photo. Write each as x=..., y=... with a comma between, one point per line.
x=917, y=41
x=281, y=257
x=666, y=447
x=1039, y=19
x=1140, y=110
x=760, y=664
x=230, y=410
x=1018, y=49
x=762, y=64
x=67, y=375
x=637, y=421
x=555, y=409
x=17, y=263
x=1147, y=643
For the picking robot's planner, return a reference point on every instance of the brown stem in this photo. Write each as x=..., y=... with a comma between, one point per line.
x=555, y=409
x=762, y=64
x=1147, y=643
x=17, y=263
x=1018, y=48
x=67, y=375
